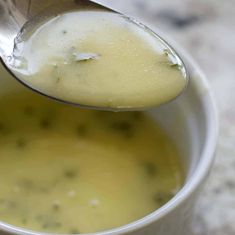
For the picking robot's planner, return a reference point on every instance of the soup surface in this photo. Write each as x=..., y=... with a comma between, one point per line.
x=98, y=59
x=67, y=170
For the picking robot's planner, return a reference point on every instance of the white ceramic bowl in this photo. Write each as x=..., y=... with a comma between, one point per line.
x=191, y=120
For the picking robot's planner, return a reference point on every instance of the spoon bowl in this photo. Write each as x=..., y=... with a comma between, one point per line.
x=22, y=17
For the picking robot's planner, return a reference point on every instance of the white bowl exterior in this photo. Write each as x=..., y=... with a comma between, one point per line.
x=191, y=121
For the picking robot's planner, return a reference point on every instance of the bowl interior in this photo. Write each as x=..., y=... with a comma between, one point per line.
x=186, y=120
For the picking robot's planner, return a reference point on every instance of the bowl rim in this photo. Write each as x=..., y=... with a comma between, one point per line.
x=203, y=168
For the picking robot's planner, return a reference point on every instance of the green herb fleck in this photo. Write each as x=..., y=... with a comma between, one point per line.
x=3, y=129
x=45, y=123
x=166, y=52
x=45, y=225
x=51, y=225
x=123, y=127
x=10, y=204
x=55, y=73
x=26, y=184
x=150, y=169
x=24, y=221
x=82, y=130
x=64, y=31
x=174, y=66
x=171, y=59
x=44, y=189
x=72, y=173
x=47, y=222
x=136, y=115
x=57, y=224
x=2, y=126
x=28, y=111
x=56, y=207
x=21, y=143
x=162, y=197
x=58, y=79
x=74, y=231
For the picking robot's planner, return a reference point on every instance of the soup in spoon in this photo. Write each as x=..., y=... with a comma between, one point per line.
x=98, y=59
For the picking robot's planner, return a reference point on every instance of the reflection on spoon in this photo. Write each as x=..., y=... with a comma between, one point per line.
x=97, y=58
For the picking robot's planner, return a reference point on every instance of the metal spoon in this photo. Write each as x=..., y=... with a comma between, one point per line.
x=18, y=17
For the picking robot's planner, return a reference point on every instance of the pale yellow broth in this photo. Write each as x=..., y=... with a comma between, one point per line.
x=98, y=59
x=67, y=170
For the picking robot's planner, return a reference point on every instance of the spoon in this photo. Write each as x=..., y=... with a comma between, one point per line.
x=23, y=16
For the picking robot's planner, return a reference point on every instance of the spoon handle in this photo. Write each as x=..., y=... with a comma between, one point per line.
x=30, y=8
x=15, y=13
x=11, y=21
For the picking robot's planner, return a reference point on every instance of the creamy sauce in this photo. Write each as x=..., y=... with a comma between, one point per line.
x=98, y=59
x=66, y=170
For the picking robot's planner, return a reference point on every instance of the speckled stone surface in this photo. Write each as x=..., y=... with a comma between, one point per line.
x=206, y=29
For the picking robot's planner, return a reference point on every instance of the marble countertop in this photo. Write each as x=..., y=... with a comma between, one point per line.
x=206, y=29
